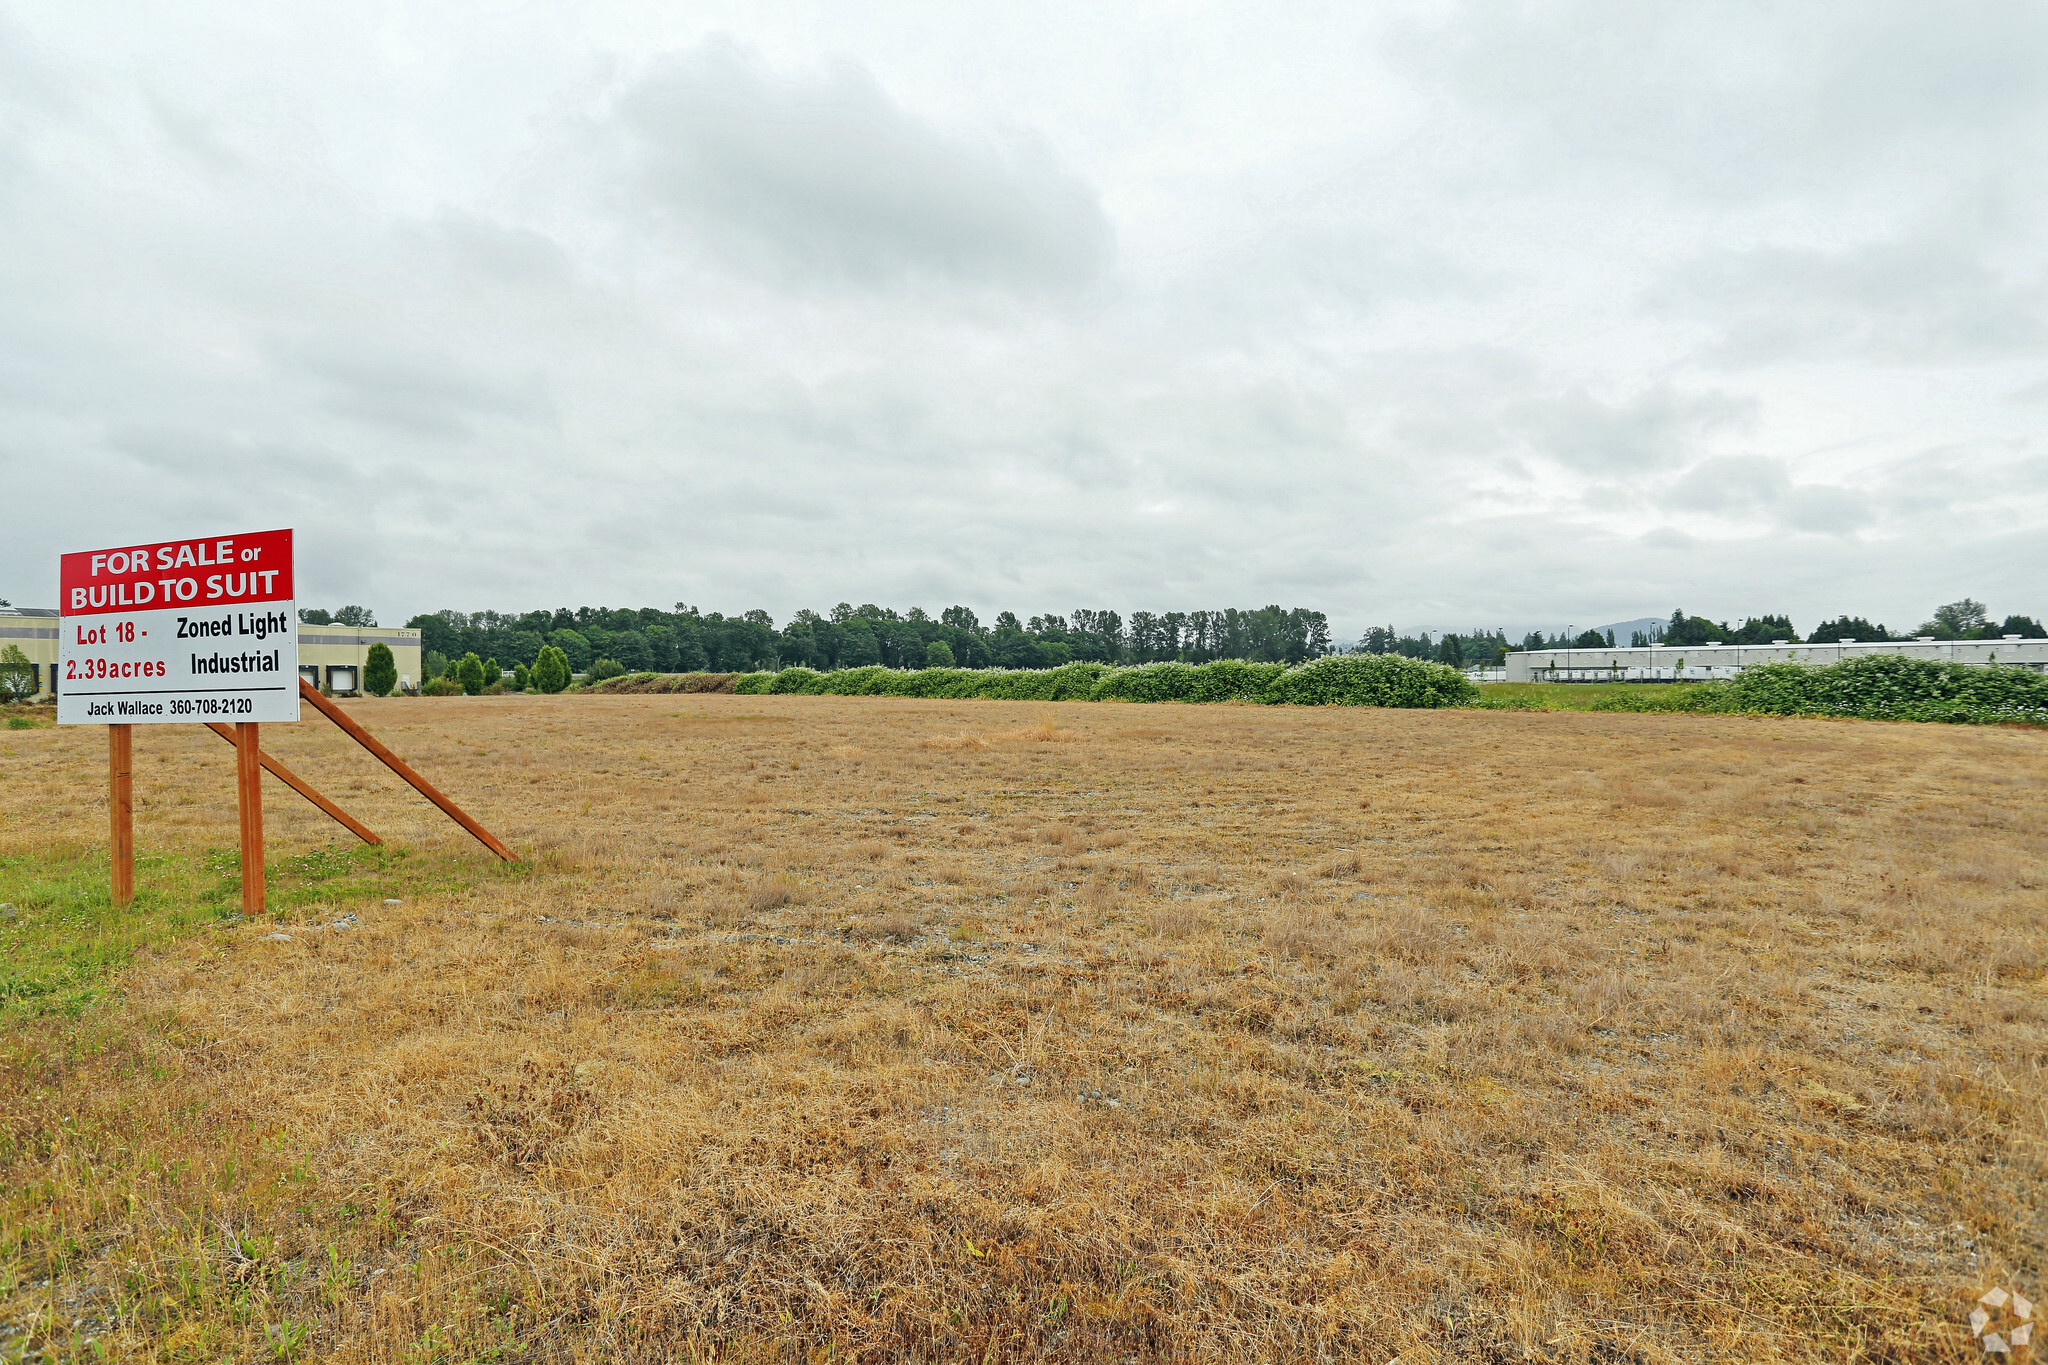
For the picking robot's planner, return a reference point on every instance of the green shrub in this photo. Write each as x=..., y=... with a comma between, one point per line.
x=1379, y=680
x=1890, y=687
x=925, y=682
x=1016, y=684
x=551, y=670
x=600, y=669
x=17, y=675
x=442, y=687
x=1149, y=682
x=1879, y=687
x=938, y=654
x=1076, y=682
x=1235, y=680
x=521, y=676
x=667, y=683
x=380, y=671
x=855, y=682
x=1373, y=680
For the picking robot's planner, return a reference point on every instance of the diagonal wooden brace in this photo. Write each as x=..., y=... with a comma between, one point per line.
x=303, y=788
x=311, y=694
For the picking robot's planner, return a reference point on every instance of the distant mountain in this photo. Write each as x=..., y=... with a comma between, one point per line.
x=1624, y=629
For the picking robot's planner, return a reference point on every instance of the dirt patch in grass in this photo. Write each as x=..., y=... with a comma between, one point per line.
x=883, y=1030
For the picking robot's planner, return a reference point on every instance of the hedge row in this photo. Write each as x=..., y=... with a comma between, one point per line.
x=1888, y=687
x=667, y=682
x=1881, y=687
x=1347, y=680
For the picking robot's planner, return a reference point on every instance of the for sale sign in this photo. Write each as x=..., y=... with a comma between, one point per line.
x=179, y=632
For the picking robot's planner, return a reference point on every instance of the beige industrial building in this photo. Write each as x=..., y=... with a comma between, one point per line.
x=330, y=657
x=1697, y=663
x=33, y=631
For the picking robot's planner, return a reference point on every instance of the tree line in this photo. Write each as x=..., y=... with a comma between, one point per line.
x=1474, y=648
x=686, y=640
x=1968, y=619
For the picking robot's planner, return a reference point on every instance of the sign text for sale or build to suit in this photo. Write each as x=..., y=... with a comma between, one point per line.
x=179, y=631
x=199, y=631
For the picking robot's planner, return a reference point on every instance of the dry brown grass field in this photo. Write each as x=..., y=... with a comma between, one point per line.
x=877, y=1030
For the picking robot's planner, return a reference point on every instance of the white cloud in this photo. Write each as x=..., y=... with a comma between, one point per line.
x=826, y=175
x=1649, y=431
x=1754, y=488
x=1930, y=299
x=1437, y=315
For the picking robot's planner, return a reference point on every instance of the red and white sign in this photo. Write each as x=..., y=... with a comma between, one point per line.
x=179, y=632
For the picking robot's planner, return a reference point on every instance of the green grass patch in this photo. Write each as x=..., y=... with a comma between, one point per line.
x=1589, y=696
x=62, y=940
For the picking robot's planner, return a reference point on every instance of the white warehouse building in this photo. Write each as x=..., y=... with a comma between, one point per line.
x=1698, y=663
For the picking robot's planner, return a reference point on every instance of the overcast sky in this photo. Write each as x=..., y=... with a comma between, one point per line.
x=1439, y=315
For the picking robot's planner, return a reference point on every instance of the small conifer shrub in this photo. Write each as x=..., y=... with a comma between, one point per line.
x=551, y=670
x=380, y=671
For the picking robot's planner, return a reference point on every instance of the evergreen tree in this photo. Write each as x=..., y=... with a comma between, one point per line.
x=551, y=670
x=380, y=671
x=470, y=673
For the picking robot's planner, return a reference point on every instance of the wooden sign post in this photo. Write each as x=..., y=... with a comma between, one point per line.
x=185, y=632
x=180, y=632
x=121, y=809
x=249, y=807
